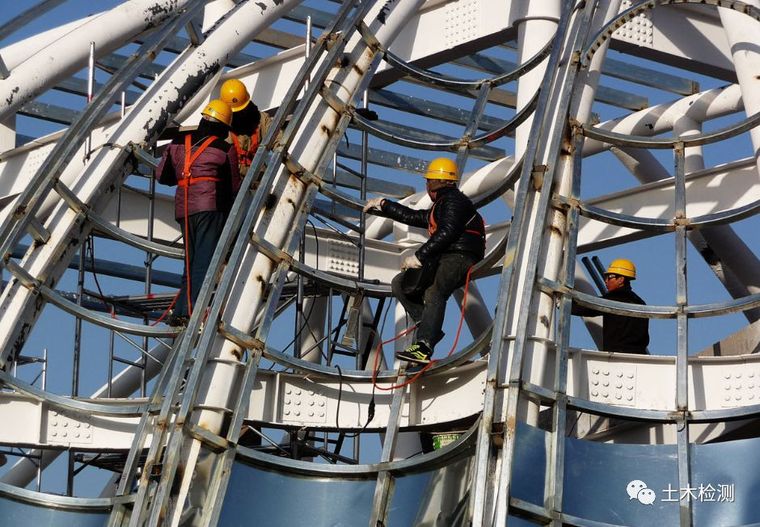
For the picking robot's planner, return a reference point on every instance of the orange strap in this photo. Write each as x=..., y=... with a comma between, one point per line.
x=245, y=157
x=192, y=181
x=433, y=226
x=190, y=158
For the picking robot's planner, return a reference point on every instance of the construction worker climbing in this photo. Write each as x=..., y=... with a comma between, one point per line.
x=440, y=266
x=249, y=125
x=204, y=167
x=619, y=332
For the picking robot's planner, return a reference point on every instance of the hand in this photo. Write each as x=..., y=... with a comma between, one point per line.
x=373, y=204
x=411, y=262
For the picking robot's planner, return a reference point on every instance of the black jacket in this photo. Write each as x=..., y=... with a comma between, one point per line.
x=620, y=333
x=453, y=223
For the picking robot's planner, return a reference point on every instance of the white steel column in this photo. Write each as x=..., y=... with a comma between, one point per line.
x=741, y=32
x=551, y=260
x=536, y=23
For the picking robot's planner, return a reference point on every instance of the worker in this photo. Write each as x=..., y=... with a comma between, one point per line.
x=457, y=242
x=204, y=167
x=621, y=333
x=249, y=125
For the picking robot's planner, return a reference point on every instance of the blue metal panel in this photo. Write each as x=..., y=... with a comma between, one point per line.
x=598, y=475
x=22, y=514
x=436, y=497
x=530, y=464
x=619, y=484
x=260, y=497
x=409, y=495
x=605, y=482
x=734, y=464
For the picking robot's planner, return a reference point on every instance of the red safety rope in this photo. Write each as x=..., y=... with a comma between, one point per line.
x=379, y=349
x=167, y=310
x=185, y=182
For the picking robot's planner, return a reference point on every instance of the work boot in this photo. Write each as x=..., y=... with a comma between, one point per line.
x=174, y=320
x=417, y=353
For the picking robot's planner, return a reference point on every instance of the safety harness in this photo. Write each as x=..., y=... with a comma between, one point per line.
x=245, y=157
x=190, y=157
x=480, y=232
x=186, y=181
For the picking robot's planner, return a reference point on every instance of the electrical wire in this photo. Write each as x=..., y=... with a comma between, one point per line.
x=371, y=407
x=408, y=330
x=306, y=316
x=90, y=249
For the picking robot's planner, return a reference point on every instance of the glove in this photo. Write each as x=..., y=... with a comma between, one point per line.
x=411, y=262
x=373, y=204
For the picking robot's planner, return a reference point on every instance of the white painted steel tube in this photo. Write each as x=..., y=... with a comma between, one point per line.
x=703, y=106
x=741, y=33
x=16, y=53
x=536, y=23
x=313, y=329
x=68, y=54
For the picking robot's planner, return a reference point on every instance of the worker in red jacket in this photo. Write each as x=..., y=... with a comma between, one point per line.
x=204, y=167
x=457, y=242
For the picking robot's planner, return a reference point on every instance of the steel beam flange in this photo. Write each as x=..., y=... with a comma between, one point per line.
x=79, y=406
x=441, y=457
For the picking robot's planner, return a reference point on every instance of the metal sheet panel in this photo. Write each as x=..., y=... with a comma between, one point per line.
x=726, y=482
x=20, y=514
x=260, y=497
x=438, y=497
x=614, y=483
x=638, y=485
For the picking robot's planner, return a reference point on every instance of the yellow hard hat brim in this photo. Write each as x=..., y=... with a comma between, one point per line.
x=441, y=176
x=241, y=107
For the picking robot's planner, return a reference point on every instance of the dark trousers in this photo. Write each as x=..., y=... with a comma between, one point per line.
x=205, y=230
x=429, y=306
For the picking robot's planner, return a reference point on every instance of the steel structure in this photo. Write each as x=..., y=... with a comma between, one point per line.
x=611, y=126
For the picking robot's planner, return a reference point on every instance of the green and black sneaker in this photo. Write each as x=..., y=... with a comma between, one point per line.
x=417, y=353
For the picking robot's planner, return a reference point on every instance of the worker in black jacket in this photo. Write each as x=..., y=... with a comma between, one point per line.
x=457, y=242
x=619, y=332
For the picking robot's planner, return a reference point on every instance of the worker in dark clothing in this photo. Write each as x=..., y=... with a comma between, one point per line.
x=619, y=332
x=204, y=167
x=249, y=125
x=457, y=242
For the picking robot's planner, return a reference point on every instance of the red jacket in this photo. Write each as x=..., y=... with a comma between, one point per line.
x=216, y=169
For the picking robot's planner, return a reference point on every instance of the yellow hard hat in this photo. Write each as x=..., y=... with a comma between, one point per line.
x=218, y=110
x=622, y=267
x=234, y=93
x=442, y=168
